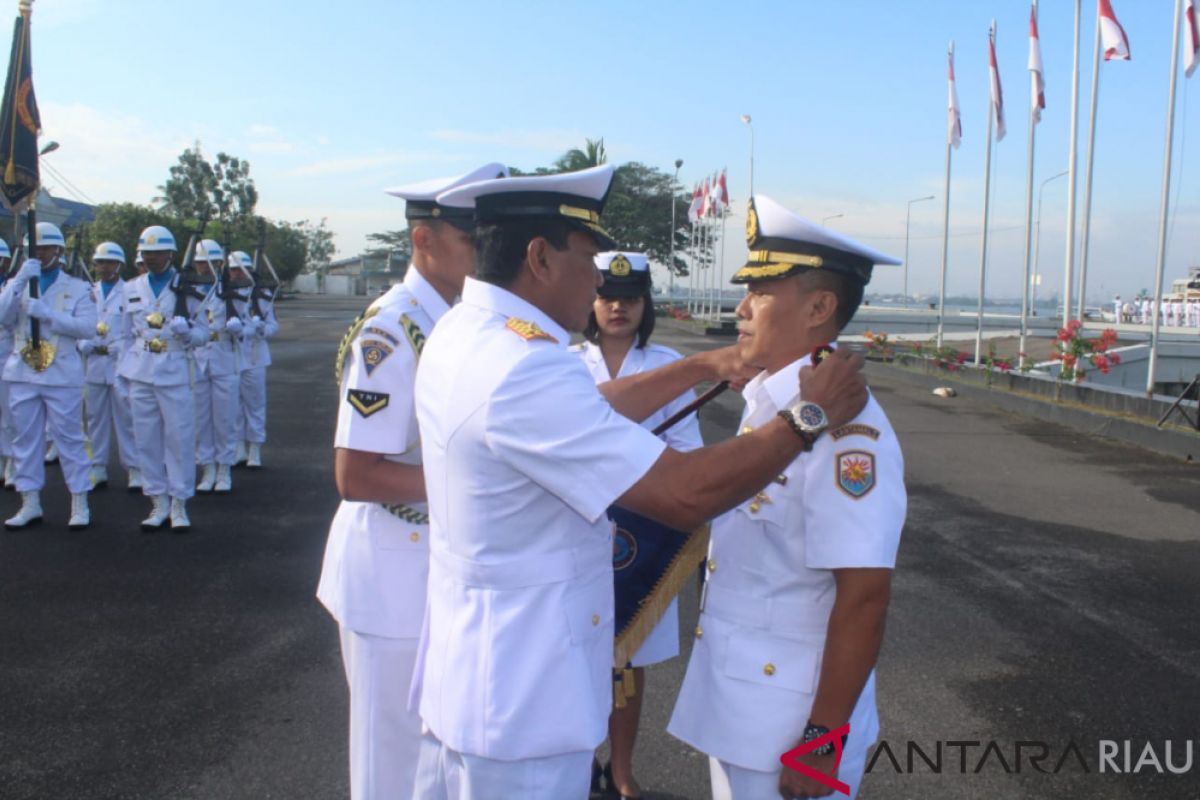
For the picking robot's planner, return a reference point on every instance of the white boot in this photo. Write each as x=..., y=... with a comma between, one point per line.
x=207, y=478
x=81, y=515
x=51, y=453
x=224, y=479
x=135, y=480
x=254, y=456
x=179, y=518
x=30, y=513
x=240, y=458
x=99, y=476
x=10, y=473
x=159, y=513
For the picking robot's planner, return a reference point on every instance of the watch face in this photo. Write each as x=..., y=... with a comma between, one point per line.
x=811, y=415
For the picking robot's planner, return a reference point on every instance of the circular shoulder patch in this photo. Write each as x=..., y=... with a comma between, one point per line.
x=624, y=548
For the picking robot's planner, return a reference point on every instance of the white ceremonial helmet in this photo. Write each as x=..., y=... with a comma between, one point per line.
x=209, y=250
x=156, y=237
x=48, y=234
x=240, y=259
x=109, y=251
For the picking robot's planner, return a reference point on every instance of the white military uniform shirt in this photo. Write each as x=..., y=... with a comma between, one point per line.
x=171, y=366
x=756, y=661
x=376, y=563
x=522, y=458
x=220, y=354
x=102, y=366
x=74, y=309
x=255, y=350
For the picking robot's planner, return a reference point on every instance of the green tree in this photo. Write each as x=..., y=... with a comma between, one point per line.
x=397, y=243
x=592, y=155
x=638, y=214
x=199, y=190
x=318, y=241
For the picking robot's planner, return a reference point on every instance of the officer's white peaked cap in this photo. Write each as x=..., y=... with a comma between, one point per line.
x=422, y=196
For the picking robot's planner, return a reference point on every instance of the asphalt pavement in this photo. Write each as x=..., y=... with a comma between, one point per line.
x=1045, y=600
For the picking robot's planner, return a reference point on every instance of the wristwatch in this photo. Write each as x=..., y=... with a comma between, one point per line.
x=813, y=732
x=807, y=420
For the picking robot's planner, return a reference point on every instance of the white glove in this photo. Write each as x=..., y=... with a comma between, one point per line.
x=260, y=328
x=234, y=326
x=37, y=308
x=29, y=270
x=180, y=327
x=87, y=347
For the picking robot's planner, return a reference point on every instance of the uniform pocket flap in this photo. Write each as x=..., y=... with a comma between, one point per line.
x=773, y=661
x=590, y=610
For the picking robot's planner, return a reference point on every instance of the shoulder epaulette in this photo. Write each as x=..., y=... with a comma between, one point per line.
x=528, y=330
x=416, y=337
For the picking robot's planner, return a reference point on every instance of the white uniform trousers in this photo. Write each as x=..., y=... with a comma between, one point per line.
x=57, y=410
x=217, y=409
x=106, y=409
x=731, y=782
x=6, y=426
x=253, y=425
x=445, y=774
x=165, y=434
x=385, y=737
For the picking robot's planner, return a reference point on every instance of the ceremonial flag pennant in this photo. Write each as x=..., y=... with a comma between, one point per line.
x=20, y=124
x=1037, y=86
x=723, y=194
x=697, y=202
x=1112, y=35
x=706, y=205
x=996, y=92
x=953, y=117
x=1191, y=39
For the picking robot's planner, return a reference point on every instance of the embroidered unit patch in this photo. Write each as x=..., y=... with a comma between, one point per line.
x=624, y=548
x=373, y=354
x=854, y=429
x=855, y=472
x=381, y=333
x=367, y=403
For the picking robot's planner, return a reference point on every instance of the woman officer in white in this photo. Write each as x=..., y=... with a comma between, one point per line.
x=618, y=344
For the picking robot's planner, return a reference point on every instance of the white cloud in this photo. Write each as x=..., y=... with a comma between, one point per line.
x=555, y=141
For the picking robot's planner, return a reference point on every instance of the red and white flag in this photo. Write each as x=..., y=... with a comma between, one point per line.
x=723, y=193
x=953, y=117
x=1112, y=35
x=1191, y=39
x=706, y=203
x=997, y=92
x=1037, y=84
x=697, y=202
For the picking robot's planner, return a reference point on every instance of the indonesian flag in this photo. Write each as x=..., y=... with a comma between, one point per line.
x=693, y=212
x=723, y=192
x=997, y=92
x=706, y=203
x=1037, y=85
x=953, y=118
x=1112, y=35
x=1191, y=41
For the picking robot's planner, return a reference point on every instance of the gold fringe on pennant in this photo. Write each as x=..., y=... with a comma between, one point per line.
x=618, y=690
x=655, y=604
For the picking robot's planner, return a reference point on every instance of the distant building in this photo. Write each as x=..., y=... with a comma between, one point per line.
x=367, y=274
x=62, y=212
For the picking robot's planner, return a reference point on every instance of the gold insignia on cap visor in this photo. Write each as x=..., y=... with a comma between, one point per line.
x=751, y=225
x=619, y=267
x=582, y=214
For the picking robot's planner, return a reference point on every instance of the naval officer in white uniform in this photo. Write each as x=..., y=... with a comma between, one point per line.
x=798, y=576
x=46, y=391
x=7, y=465
x=522, y=457
x=377, y=557
x=215, y=381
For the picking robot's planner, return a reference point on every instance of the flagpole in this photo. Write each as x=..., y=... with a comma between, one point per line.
x=721, y=276
x=1164, y=205
x=1072, y=159
x=945, y=232
x=1087, y=179
x=1033, y=105
x=987, y=196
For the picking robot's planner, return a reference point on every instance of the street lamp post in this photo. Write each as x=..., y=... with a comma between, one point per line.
x=1037, y=241
x=835, y=216
x=671, y=265
x=907, y=222
x=746, y=119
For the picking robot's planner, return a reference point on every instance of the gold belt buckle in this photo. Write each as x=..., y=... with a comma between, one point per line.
x=156, y=345
x=155, y=320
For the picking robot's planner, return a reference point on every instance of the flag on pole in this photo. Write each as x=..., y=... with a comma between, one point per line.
x=697, y=203
x=996, y=92
x=1112, y=35
x=1191, y=43
x=1037, y=86
x=723, y=193
x=953, y=117
x=19, y=124
x=706, y=205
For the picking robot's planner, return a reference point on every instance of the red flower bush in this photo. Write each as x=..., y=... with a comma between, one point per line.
x=1072, y=349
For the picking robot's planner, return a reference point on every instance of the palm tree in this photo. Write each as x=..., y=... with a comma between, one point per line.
x=592, y=155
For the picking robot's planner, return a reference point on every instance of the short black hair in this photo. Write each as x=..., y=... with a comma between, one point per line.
x=644, y=329
x=848, y=290
x=500, y=248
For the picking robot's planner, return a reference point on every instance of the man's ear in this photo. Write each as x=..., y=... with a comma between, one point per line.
x=421, y=236
x=537, y=259
x=824, y=306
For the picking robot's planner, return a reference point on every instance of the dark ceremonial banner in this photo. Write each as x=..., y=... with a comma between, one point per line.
x=19, y=125
x=650, y=564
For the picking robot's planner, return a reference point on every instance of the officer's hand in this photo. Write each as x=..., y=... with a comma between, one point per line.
x=180, y=327
x=37, y=308
x=726, y=364
x=793, y=784
x=29, y=270
x=260, y=328
x=87, y=347
x=234, y=326
x=837, y=385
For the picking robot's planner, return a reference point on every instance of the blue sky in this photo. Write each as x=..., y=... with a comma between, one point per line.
x=331, y=103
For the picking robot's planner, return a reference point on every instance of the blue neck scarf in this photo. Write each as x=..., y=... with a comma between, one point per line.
x=47, y=278
x=159, y=282
x=107, y=286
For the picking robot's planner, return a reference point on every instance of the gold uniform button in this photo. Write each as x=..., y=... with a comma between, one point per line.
x=712, y=565
x=754, y=507
x=414, y=537
x=747, y=429
x=769, y=669
x=699, y=632
x=595, y=619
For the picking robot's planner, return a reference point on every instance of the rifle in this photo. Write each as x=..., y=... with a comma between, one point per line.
x=227, y=292
x=262, y=290
x=185, y=286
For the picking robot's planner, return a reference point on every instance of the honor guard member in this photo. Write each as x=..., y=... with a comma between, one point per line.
x=522, y=458
x=259, y=324
x=7, y=464
x=617, y=343
x=46, y=380
x=216, y=379
x=798, y=577
x=162, y=329
x=377, y=558
x=107, y=393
